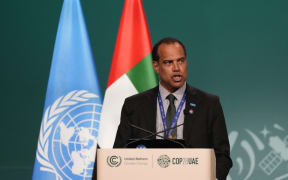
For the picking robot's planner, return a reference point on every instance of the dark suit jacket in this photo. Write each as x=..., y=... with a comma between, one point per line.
x=205, y=128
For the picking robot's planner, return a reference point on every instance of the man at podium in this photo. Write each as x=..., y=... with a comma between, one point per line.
x=177, y=109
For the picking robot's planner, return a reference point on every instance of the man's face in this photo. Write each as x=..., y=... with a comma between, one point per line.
x=172, y=66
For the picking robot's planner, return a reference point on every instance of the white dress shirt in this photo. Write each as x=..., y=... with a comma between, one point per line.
x=178, y=94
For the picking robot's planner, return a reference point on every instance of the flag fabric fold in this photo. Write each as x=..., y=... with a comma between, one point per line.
x=131, y=70
x=69, y=129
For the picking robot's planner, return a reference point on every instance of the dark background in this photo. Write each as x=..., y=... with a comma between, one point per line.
x=236, y=49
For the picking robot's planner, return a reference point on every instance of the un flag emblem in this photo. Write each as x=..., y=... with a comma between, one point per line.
x=67, y=143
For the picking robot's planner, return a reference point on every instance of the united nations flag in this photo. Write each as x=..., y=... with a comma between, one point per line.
x=68, y=134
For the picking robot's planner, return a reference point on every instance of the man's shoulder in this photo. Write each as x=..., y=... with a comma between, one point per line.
x=193, y=91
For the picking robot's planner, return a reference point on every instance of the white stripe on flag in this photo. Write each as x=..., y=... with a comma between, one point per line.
x=110, y=117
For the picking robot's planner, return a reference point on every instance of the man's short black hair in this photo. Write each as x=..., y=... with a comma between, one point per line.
x=166, y=40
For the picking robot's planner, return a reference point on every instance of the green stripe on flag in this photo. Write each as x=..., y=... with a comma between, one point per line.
x=143, y=75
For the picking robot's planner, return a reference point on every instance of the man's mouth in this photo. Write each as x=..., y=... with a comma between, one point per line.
x=177, y=78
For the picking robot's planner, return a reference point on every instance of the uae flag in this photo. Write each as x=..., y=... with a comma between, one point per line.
x=131, y=70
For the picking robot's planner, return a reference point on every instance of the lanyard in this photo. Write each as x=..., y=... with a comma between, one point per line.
x=175, y=119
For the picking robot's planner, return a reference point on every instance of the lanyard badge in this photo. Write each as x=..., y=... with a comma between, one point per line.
x=176, y=117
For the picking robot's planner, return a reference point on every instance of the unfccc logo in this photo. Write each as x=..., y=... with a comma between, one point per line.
x=114, y=161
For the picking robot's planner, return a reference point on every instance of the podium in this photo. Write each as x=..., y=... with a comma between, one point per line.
x=168, y=164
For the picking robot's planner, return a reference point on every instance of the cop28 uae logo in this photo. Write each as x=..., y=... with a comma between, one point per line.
x=114, y=161
x=67, y=141
x=163, y=161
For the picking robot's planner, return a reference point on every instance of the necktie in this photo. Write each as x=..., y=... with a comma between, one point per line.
x=170, y=114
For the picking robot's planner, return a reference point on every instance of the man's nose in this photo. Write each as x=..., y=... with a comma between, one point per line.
x=175, y=66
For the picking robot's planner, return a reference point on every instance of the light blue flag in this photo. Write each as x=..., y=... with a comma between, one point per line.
x=67, y=141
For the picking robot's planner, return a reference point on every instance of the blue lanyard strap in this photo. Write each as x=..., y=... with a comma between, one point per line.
x=176, y=117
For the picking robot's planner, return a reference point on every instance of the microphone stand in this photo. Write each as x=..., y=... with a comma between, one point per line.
x=154, y=134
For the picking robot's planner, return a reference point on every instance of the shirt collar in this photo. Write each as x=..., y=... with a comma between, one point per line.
x=178, y=94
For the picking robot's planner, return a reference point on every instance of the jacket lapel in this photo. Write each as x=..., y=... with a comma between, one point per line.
x=152, y=110
x=191, y=110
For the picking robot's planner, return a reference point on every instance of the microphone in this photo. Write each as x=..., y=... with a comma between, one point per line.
x=154, y=134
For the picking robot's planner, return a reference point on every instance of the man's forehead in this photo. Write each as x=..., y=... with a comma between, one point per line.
x=171, y=50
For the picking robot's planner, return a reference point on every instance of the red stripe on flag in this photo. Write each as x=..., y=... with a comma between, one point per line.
x=133, y=40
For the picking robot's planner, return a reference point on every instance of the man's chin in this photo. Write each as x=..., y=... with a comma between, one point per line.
x=172, y=86
x=177, y=85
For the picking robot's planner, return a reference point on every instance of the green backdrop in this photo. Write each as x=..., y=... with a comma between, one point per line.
x=236, y=49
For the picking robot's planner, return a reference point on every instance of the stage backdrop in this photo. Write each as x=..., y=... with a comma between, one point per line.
x=236, y=49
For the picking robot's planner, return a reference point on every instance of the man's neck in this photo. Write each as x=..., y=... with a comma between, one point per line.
x=178, y=92
x=171, y=90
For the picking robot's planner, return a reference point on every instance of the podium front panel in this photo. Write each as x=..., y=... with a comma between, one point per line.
x=144, y=164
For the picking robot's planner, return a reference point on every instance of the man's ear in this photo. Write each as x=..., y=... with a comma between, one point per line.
x=156, y=66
